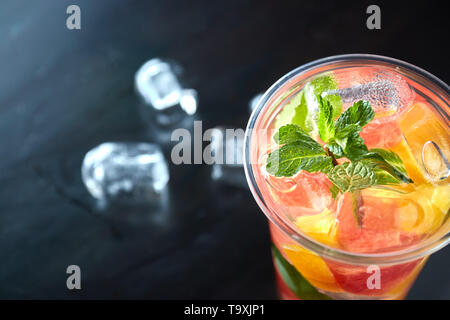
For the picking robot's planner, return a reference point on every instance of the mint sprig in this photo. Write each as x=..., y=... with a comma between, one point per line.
x=299, y=152
x=366, y=167
x=347, y=142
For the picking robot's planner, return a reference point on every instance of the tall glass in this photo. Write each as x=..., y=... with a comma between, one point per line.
x=308, y=264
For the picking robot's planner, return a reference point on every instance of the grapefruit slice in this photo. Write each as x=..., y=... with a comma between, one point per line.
x=378, y=232
x=382, y=133
x=355, y=279
x=305, y=194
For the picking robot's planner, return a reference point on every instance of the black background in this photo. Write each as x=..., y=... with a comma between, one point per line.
x=64, y=91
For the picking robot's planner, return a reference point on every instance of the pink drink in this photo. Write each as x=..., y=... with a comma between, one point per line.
x=320, y=252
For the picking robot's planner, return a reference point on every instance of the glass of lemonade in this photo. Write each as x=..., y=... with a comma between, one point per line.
x=348, y=157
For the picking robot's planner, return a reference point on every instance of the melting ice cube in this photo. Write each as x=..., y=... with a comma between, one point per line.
x=157, y=83
x=132, y=171
x=386, y=91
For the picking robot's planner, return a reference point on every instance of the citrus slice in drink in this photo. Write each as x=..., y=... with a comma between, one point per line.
x=441, y=198
x=428, y=142
x=399, y=291
x=382, y=133
x=321, y=227
x=361, y=280
x=377, y=231
x=406, y=208
x=414, y=170
x=312, y=267
x=434, y=204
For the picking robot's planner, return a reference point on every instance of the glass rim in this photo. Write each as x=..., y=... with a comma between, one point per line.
x=420, y=250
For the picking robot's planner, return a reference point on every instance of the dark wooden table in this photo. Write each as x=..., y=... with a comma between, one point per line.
x=62, y=92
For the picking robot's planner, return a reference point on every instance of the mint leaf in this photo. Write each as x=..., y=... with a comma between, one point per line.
x=294, y=280
x=384, y=177
x=296, y=156
x=384, y=173
x=341, y=137
x=293, y=133
x=335, y=149
x=347, y=131
x=327, y=83
x=325, y=120
x=308, y=106
x=352, y=147
x=360, y=114
x=392, y=158
x=355, y=149
x=351, y=176
x=323, y=83
x=389, y=161
x=299, y=152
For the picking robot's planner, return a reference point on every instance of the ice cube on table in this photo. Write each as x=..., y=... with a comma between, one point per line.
x=157, y=83
x=227, y=145
x=125, y=171
x=388, y=92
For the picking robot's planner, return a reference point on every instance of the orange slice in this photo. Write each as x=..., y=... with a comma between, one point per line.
x=420, y=125
x=312, y=267
x=321, y=227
